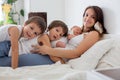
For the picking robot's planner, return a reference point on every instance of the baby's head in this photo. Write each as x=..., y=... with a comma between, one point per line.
x=34, y=26
x=76, y=30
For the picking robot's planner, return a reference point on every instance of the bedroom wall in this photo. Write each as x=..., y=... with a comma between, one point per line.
x=54, y=8
x=75, y=8
x=19, y=6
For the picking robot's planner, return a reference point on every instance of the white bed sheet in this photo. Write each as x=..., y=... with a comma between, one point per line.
x=43, y=72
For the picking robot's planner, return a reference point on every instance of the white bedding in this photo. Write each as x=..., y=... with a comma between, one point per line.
x=102, y=57
x=43, y=72
x=112, y=57
x=91, y=57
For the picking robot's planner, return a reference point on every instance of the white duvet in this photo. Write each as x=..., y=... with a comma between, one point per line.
x=104, y=54
x=112, y=57
x=43, y=72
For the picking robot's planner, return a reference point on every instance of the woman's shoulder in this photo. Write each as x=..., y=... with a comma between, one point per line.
x=95, y=33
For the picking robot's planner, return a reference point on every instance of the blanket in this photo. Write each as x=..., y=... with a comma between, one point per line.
x=111, y=58
x=104, y=53
x=43, y=72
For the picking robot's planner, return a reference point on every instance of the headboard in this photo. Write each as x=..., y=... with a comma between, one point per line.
x=41, y=14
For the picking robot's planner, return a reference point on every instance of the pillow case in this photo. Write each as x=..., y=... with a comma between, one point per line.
x=90, y=58
x=108, y=36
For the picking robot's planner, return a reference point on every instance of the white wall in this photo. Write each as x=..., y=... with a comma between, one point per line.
x=71, y=11
x=26, y=9
x=54, y=8
x=19, y=6
x=74, y=10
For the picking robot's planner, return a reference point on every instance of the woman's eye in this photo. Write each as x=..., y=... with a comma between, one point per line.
x=86, y=15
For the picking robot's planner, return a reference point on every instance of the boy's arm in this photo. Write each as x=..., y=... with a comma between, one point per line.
x=14, y=36
x=60, y=44
x=45, y=40
x=55, y=59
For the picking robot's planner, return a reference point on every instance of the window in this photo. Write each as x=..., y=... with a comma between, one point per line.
x=1, y=14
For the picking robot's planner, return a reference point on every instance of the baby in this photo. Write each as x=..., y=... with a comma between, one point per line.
x=75, y=31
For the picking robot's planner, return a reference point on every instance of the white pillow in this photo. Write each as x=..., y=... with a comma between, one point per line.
x=90, y=58
x=108, y=36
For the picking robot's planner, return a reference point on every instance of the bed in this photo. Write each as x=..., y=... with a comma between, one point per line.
x=104, y=54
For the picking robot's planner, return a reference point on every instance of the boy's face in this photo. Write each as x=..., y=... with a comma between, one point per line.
x=31, y=30
x=56, y=33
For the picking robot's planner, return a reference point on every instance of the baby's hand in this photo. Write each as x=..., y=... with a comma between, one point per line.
x=70, y=36
x=60, y=44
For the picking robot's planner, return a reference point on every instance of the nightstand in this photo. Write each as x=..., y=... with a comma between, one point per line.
x=113, y=73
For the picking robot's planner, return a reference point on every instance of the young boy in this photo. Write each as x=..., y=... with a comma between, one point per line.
x=33, y=27
x=56, y=30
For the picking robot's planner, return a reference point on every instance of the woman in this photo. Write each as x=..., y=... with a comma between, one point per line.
x=91, y=15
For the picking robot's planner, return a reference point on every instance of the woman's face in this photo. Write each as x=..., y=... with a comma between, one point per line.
x=89, y=19
x=56, y=33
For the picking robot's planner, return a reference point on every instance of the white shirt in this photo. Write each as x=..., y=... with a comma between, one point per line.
x=4, y=35
x=25, y=45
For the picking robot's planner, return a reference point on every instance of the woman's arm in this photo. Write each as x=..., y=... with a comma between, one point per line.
x=14, y=36
x=90, y=39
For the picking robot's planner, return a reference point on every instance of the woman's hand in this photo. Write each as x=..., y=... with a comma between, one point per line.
x=40, y=49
